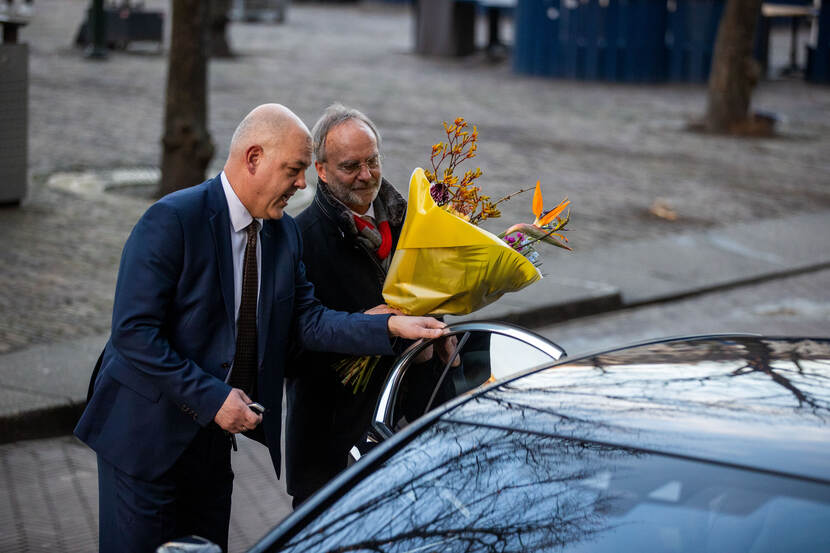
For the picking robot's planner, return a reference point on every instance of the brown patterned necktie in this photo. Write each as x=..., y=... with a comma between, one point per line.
x=243, y=374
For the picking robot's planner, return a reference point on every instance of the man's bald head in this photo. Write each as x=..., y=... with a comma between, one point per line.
x=265, y=125
x=269, y=153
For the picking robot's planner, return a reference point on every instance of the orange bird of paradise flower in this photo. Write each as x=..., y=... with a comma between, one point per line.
x=546, y=225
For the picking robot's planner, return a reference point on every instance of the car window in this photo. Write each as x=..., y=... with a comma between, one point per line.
x=465, y=487
x=482, y=356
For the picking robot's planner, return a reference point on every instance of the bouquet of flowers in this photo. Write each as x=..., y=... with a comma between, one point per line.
x=444, y=262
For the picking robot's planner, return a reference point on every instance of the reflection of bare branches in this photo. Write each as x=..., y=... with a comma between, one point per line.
x=669, y=352
x=470, y=486
x=526, y=403
x=678, y=379
x=758, y=360
x=474, y=499
x=714, y=349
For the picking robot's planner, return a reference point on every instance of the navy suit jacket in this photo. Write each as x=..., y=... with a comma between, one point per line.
x=173, y=331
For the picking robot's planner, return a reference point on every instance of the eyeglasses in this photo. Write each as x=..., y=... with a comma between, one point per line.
x=353, y=167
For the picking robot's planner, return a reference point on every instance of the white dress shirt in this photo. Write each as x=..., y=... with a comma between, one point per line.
x=370, y=213
x=240, y=219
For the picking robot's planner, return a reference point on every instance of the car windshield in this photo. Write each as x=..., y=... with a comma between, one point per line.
x=467, y=487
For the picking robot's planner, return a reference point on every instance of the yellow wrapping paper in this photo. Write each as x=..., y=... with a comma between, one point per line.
x=444, y=265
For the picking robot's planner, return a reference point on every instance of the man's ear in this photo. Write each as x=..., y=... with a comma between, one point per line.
x=321, y=171
x=253, y=157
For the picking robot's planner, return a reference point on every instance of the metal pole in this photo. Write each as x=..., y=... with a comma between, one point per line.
x=97, y=48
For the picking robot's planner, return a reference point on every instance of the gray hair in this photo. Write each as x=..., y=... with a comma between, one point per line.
x=335, y=115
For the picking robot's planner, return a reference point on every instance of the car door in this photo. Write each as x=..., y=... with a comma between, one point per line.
x=479, y=353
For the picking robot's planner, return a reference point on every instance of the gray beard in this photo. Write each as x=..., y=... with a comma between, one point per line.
x=353, y=198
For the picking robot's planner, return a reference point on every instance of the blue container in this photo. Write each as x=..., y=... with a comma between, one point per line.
x=612, y=40
x=690, y=38
x=537, y=36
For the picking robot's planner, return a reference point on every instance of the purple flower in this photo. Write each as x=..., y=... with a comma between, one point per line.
x=439, y=193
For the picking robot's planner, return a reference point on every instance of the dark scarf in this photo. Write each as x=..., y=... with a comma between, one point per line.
x=390, y=209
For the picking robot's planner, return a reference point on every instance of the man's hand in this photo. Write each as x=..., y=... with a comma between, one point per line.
x=235, y=416
x=413, y=328
x=424, y=356
x=383, y=309
x=446, y=347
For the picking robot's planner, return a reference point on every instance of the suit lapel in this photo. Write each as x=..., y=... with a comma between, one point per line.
x=220, y=227
x=266, y=288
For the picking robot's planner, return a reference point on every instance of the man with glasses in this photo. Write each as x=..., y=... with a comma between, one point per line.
x=350, y=232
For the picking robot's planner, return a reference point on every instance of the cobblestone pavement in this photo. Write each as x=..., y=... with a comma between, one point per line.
x=50, y=502
x=612, y=149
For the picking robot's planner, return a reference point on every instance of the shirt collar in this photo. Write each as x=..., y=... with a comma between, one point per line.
x=369, y=212
x=240, y=218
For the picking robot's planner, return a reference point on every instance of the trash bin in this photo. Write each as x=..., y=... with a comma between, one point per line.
x=14, y=113
x=445, y=27
x=125, y=23
x=613, y=40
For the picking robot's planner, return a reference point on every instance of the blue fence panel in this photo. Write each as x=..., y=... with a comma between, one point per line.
x=818, y=57
x=594, y=42
x=690, y=38
x=616, y=40
x=643, y=25
x=612, y=66
x=568, y=33
x=537, y=37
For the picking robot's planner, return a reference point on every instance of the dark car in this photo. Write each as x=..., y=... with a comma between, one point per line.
x=700, y=444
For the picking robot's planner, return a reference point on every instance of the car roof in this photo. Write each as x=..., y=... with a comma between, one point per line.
x=761, y=403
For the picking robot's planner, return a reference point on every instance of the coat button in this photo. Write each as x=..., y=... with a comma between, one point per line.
x=225, y=365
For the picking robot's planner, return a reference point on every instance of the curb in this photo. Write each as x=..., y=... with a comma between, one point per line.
x=47, y=422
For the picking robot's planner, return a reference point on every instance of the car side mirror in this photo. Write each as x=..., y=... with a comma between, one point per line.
x=190, y=544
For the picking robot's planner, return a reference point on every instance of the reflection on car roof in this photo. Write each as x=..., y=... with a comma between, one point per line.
x=759, y=403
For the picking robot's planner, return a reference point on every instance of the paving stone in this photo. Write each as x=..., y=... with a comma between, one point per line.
x=49, y=496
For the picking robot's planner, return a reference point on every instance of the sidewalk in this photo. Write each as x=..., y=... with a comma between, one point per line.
x=45, y=386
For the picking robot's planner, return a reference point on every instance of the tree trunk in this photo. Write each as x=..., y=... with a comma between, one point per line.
x=219, y=46
x=186, y=145
x=734, y=72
